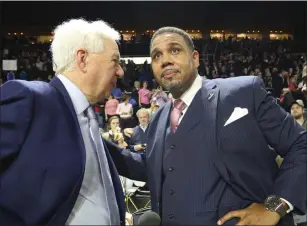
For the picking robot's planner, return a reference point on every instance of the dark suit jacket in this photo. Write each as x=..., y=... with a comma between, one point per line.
x=240, y=151
x=42, y=155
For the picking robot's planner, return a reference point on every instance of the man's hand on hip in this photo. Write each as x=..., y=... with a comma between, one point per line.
x=255, y=214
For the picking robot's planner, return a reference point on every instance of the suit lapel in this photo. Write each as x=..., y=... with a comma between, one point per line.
x=192, y=117
x=56, y=83
x=210, y=95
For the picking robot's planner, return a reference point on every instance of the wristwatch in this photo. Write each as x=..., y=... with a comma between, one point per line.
x=274, y=204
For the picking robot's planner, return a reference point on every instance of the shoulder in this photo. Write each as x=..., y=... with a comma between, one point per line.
x=16, y=87
x=238, y=85
x=241, y=81
x=106, y=135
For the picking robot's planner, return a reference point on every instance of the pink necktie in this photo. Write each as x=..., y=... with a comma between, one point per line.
x=179, y=106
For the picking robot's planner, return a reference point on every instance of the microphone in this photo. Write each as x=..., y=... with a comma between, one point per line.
x=149, y=218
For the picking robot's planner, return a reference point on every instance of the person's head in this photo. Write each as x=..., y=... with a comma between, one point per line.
x=137, y=84
x=87, y=54
x=111, y=97
x=113, y=123
x=155, y=108
x=159, y=88
x=174, y=59
x=284, y=73
x=143, y=116
x=125, y=98
x=145, y=84
x=297, y=109
x=274, y=70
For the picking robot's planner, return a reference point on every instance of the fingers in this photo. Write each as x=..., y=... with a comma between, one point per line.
x=230, y=215
x=244, y=221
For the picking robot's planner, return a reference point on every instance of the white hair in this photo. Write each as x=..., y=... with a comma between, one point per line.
x=78, y=34
x=142, y=110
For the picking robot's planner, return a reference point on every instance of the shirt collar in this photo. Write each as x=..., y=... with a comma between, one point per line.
x=78, y=99
x=143, y=127
x=188, y=95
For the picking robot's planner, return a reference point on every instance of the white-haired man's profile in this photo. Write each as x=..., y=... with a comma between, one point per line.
x=69, y=175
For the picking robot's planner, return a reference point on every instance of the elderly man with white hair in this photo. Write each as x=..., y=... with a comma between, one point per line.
x=54, y=167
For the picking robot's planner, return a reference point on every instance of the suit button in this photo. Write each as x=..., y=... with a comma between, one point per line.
x=171, y=192
x=172, y=146
x=170, y=216
x=171, y=169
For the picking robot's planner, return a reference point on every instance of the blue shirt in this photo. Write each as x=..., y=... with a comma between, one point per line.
x=91, y=206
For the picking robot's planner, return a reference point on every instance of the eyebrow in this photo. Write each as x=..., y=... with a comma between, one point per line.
x=172, y=44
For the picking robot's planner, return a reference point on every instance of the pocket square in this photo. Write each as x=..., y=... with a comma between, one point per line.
x=236, y=114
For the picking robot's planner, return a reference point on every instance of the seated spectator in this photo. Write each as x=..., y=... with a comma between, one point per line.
x=114, y=133
x=125, y=111
x=159, y=96
x=138, y=134
x=297, y=111
x=110, y=107
x=144, y=96
x=153, y=109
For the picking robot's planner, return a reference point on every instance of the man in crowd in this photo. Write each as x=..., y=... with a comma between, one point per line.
x=54, y=167
x=208, y=159
x=298, y=112
x=138, y=134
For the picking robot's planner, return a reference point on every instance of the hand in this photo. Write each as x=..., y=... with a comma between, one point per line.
x=129, y=219
x=255, y=214
x=139, y=147
x=128, y=132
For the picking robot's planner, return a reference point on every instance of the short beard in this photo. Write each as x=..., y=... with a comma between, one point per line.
x=298, y=117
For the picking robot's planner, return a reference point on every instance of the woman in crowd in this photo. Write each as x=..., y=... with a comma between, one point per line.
x=159, y=97
x=125, y=111
x=114, y=133
x=110, y=107
x=144, y=96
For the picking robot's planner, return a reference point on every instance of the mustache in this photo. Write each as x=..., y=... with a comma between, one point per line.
x=168, y=71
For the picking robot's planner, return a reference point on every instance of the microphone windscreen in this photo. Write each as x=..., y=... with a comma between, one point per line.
x=149, y=218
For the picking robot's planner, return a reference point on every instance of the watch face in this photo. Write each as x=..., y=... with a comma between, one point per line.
x=272, y=202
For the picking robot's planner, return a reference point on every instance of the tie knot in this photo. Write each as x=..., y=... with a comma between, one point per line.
x=90, y=112
x=179, y=104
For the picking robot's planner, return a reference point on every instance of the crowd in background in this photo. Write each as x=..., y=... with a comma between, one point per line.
x=283, y=71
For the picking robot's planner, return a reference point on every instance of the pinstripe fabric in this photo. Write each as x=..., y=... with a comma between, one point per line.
x=210, y=169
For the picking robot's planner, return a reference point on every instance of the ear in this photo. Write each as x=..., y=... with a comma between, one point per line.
x=81, y=60
x=195, y=56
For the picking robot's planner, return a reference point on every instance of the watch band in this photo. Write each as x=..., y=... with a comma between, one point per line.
x=281, y=210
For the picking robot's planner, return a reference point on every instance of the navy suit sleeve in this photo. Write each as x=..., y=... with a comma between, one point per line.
x=128, y=164
x=16, y=104
x=289, y=140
